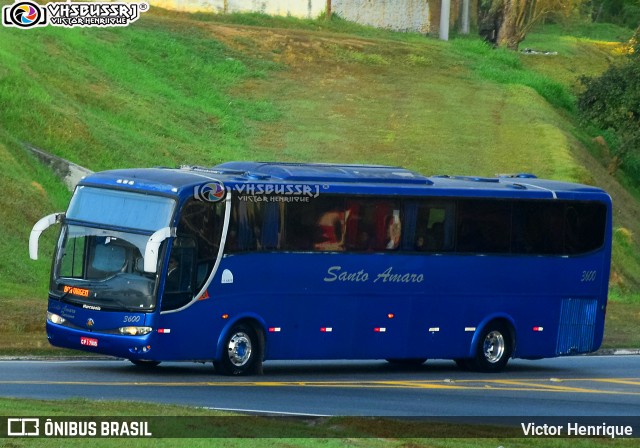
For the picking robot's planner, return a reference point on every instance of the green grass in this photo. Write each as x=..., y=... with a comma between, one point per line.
x=595, y=32
x=106, y=99
x=202, y=89
x=506, y=67
x=176, y=88
x=584, y=50
x=149, y=95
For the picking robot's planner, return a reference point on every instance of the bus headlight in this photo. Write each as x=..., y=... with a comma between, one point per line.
x=135, y=331
x=55, y=319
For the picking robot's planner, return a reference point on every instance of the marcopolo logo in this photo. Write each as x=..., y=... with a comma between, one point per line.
x=24, y=14
x=210, y=192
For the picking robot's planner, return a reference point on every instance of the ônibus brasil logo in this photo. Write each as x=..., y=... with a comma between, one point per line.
x=25, y=14
x=210, y=192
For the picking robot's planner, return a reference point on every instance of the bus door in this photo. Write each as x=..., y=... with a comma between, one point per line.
x=186, y=315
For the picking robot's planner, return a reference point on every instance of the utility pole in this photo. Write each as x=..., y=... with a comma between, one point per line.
x=328, y=15
x=445, y=13
x=464, y=26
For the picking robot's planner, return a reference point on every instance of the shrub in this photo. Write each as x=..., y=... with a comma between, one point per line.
x=612, y=103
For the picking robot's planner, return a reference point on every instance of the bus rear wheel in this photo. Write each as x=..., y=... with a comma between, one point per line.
x=240, y=355
x=493, y=350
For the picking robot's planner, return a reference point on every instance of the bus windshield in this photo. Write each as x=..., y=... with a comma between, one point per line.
x=103, y=268
x=99, y=267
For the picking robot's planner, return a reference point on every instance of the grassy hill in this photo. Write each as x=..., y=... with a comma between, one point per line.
x=202, y=89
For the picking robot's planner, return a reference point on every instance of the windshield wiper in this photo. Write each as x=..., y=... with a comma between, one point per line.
x=63, y=297
x=120, y=304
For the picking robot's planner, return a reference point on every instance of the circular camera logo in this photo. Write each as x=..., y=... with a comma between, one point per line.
x=211, y=192
x=25, y=14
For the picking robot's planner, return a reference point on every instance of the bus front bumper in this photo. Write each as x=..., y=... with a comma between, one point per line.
x=120, y=346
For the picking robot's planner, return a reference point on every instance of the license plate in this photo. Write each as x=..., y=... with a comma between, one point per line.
x=91, y=342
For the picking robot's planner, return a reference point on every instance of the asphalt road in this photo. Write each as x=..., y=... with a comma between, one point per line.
x=577, y=386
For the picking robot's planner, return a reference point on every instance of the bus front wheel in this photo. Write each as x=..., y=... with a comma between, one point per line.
x=493, y=350
x=240, y=355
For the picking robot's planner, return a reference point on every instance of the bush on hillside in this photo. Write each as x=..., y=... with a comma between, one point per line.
x=612, y=102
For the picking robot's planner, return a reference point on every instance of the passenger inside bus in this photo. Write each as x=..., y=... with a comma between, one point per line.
x=173, y=276
x=331, y=230
x=420, y=245
x=393, y=231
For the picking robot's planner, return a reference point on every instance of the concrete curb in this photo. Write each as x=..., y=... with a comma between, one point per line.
x=59, y=358
x=70, y=173
x=601, y=352
x=616, y=352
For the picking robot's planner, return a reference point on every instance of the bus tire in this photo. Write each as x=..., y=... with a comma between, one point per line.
x=407, y=362
x=143, y=363
x=240, y=353
x=493, y=350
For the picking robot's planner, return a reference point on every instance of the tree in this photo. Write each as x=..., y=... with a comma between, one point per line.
x=612, y=103
x=620, y=12
x=513, y=19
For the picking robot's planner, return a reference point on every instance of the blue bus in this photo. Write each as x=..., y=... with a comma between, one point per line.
x=246, y=261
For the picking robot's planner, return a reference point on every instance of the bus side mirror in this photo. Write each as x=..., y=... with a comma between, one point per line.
x=152, y=250
x=42, y=225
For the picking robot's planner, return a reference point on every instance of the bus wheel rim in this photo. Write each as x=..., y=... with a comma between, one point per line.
x=494, y=347
x=239, y=349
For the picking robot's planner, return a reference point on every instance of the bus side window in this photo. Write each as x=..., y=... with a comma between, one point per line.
x=484, y=226
x=244, y=229
x=557, y=228
x=434, y=228
x=537, y=228
x=180, y=270
x=317, y=225
x=254, y=226
x=268, y=235
x=337, y=223
x=330, y=231
x=373, y=225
